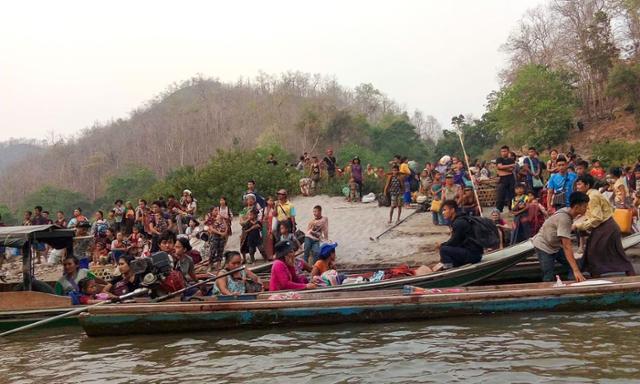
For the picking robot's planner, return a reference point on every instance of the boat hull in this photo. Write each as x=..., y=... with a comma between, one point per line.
x=385, y=307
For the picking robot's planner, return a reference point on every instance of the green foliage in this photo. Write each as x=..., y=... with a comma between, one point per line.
x=537, y=108
x=599, y=50
x=227, y=174
x=129, y=185
x=616, y=153
x=8, y=218
x=624, y=84
x=55, y=199
x=398, y=138
x=478, y=135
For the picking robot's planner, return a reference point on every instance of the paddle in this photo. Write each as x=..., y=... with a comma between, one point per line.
x=137, y=292
x=393, y=226
x=198, y=284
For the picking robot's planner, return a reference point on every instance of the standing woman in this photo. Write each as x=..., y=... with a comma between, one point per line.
x=129, y=217
x=356, y=173
x=551, y=164
x=225, y=212
x=604, y=252
x=269, y=225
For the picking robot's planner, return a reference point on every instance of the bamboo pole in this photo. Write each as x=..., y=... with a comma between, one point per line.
x=471, y=176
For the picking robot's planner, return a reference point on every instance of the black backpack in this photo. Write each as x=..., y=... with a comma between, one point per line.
x=485, y=232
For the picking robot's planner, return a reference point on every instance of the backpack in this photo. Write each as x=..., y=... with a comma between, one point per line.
x=484, y=232
x=101, y=229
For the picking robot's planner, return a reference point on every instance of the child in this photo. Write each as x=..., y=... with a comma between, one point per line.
x=193, y=229
x=519, y=210
x=503, y=228
x=285, y=234
x=251, y=239
x=537, y=214
x=436, y=193
x=100, y=255
x=88, y=293
x=134, y=238
x=354, y=195
x=393, y=188
x=118, y=247
x=218, y=233
x=468, y=203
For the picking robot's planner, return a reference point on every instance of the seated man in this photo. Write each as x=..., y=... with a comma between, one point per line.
x=460, y=249
x=553, y=242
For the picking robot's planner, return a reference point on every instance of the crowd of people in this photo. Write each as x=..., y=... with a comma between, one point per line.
x=546, y=201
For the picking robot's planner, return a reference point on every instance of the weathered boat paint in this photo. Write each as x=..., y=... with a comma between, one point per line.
x=152, y=318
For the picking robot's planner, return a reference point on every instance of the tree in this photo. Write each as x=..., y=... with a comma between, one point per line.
x=56, y=199
x=537, y=108
x=8, y=218
x=624, y=84
x=130, y=184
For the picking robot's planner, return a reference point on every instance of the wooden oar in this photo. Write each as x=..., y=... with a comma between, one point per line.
x=392, y=227
x=137, y=292
x=196, y=285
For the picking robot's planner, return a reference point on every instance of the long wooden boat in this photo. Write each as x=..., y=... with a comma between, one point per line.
x=25, y=307
x=491, y=264
x=351, y=307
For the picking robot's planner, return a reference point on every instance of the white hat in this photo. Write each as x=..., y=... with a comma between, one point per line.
x=188, y=192
x=445, y=159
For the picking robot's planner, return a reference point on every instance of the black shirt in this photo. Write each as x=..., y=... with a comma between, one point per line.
x=461, y=234
x=505, y=161
x=331, y=163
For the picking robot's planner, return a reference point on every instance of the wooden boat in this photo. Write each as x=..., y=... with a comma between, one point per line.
x=491, y=264
x=25, y=307
x=351, y=307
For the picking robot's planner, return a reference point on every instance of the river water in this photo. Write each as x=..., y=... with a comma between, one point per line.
x=554, y=348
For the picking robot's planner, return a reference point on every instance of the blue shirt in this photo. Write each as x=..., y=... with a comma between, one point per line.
x=559, y=183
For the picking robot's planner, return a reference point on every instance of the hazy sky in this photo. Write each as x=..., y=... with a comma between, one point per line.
x=66, y=64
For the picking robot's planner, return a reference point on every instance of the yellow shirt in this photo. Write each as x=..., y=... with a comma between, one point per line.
x=285, y=210
x=599, y=210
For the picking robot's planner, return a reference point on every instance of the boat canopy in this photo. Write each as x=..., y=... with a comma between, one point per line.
x=53, y=235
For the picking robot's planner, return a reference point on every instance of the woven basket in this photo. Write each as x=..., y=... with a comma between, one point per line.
x=103, y=272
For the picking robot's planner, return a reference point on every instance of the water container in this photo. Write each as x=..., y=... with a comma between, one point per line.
x=624, y=218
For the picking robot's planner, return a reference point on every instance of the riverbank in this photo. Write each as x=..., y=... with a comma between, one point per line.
x=350, y=225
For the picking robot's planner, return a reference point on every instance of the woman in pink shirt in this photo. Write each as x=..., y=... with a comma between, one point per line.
x=283, y=272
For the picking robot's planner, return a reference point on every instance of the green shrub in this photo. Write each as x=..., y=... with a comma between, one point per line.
x=227, y=174
x=616, y=153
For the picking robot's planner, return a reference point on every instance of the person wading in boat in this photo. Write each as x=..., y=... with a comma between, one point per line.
x=604, y=252
x=460, y=249
x=553, y=242
x=283, y=272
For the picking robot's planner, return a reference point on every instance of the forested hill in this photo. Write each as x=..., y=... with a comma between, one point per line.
x=15, y=150
x=189, y=122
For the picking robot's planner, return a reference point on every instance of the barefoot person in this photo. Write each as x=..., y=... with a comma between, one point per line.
x=317, y=230
x=393, y=189
x=553, y=242
x=604, y=252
